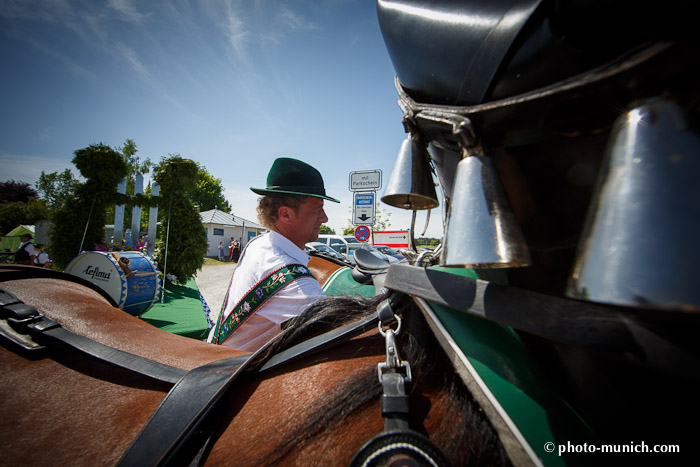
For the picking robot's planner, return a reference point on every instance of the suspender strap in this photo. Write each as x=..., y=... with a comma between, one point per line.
x=256, y=297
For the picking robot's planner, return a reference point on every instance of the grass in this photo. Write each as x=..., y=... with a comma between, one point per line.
x=214, y=262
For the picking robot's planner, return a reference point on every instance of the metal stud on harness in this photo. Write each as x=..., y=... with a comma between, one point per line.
x=398, y=445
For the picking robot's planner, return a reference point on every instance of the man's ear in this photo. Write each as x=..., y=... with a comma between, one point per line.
x=285, y=214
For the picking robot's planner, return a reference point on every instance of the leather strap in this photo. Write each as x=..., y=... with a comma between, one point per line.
x=189, y=403
x=25, y=319
x=187, y=406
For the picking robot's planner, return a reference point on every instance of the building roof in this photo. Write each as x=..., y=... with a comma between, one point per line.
x=21, y=229
x=214, y=216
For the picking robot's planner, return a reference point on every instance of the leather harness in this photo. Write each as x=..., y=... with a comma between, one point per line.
x=183, y=424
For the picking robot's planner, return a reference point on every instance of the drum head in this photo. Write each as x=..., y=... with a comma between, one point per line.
x=103, y=271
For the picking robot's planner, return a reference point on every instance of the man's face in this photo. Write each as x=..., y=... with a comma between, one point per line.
x=306, y=222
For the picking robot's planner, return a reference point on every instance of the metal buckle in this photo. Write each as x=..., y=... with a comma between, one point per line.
x=393, y=360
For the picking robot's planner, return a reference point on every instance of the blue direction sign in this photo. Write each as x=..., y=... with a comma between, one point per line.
x=362, y=233
x=363, y=209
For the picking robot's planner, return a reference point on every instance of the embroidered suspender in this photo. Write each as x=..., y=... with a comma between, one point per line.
x=256, y=297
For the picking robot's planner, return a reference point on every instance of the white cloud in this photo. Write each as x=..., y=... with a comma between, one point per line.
x=127, y=10
x=235, y=29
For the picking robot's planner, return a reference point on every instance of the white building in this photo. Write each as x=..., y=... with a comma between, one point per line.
x=221, y=226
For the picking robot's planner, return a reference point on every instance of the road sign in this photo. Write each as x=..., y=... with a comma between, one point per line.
x=366, y=180
x=363, y=208
x=393, y=238
x=362, y=233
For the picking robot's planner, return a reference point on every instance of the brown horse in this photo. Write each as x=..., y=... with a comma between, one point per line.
x=65, y=408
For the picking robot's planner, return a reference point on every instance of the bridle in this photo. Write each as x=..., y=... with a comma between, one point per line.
x=397, y=444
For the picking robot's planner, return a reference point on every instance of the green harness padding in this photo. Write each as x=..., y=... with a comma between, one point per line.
x=256, y=297
x=342, y=283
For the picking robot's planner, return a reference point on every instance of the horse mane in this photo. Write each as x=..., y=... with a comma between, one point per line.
x=464, y=424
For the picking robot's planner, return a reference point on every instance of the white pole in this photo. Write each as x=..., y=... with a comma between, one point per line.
x=153, y=220
x=86, y=225
x=136, y=212
x=165, y=262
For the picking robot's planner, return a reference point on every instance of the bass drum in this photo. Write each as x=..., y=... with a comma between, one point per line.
x=131, y=278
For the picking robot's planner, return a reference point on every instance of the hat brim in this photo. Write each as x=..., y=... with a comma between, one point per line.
x=265, y=192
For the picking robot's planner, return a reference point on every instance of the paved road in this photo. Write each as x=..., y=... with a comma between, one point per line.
x=212, y=282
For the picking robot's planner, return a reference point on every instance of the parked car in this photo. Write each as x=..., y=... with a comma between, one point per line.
x=340, y=243
x=389, y=252
x=352, y=247
x=372, y=250
x=324, y=249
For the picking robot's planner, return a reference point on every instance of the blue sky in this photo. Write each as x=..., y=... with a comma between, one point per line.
x=230, y=84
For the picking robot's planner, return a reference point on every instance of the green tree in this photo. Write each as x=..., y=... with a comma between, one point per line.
x=134, y=165
x=181, y=225
x=56, y=187
x=209, y=192
x=14, y=213
x=19, y=205
x=79, y=222
x=427, y=242
x=326, y=230
x=12, y=191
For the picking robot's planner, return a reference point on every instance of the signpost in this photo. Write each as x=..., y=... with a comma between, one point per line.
x=366, y=180
x=362, y=233
x=364, y=185
x=363, y=209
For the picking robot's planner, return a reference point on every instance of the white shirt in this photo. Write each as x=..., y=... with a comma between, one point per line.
x=262, y=256
x=41, y=258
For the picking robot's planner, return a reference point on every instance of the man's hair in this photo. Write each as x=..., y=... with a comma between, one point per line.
x=268, y=208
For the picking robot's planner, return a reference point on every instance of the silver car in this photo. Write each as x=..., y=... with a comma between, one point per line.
x=324, y=249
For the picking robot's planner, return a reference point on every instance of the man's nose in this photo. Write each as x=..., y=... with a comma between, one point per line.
x=324, y=218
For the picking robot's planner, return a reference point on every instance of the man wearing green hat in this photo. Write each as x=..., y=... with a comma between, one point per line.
x=271, y=282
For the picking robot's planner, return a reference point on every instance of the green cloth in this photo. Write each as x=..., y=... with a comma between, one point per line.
x=181, y=312
x=342, y=283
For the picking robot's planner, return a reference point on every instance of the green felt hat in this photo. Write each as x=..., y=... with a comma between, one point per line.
x=293, y=177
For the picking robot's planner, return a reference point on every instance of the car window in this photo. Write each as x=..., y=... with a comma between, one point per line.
x=352, y=248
